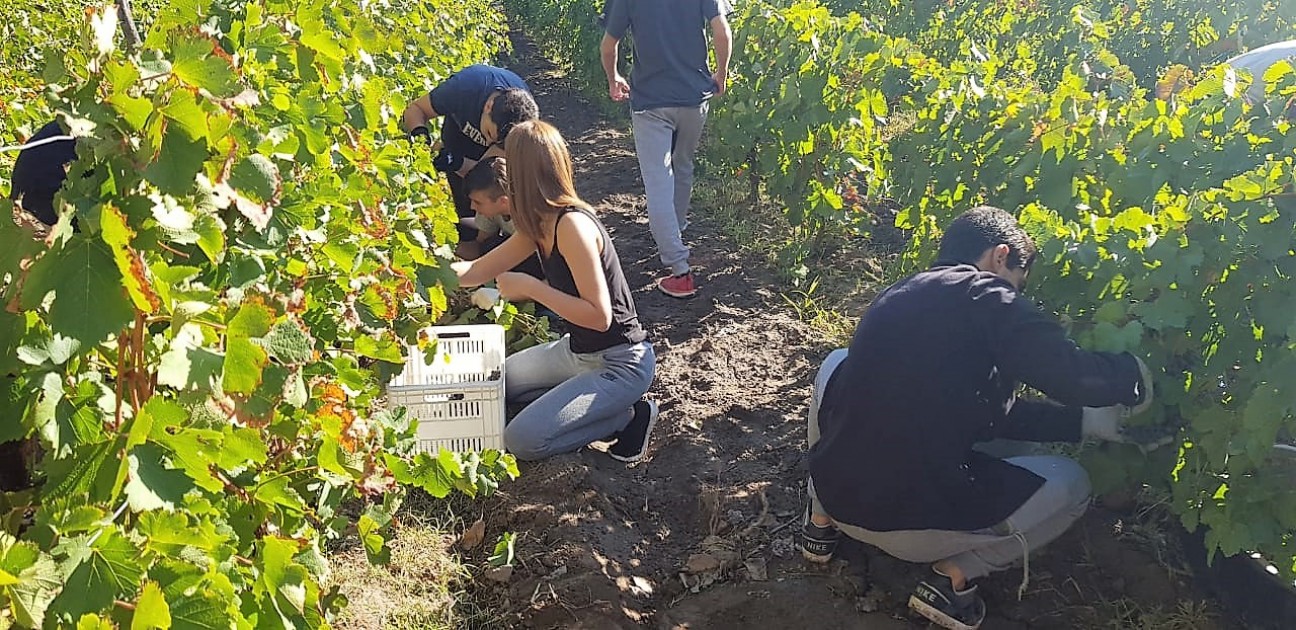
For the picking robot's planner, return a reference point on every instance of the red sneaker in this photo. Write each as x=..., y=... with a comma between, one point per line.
x=680, y=286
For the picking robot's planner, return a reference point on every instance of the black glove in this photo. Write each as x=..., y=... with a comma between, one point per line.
x=444, y=162
x=421, y=134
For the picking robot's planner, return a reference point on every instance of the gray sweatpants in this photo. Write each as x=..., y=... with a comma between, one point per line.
x=581, y=397
x=1053, y=508
x=665, y=140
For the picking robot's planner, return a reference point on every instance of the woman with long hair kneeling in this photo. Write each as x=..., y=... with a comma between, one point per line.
x=591, y=382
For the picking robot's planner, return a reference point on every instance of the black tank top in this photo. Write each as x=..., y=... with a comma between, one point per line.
x=625, y=328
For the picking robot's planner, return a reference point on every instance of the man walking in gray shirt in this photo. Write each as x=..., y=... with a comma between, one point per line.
x=668, y=91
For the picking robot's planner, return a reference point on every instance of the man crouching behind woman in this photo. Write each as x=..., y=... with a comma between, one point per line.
x=589, y=385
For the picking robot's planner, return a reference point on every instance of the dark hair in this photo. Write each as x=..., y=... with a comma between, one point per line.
x=512, y=106
x=488, y=176
x=984, y=227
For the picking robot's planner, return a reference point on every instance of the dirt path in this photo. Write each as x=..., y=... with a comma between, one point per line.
x=602, y=545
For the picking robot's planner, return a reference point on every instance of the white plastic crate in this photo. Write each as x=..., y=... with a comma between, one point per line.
x=457, y=400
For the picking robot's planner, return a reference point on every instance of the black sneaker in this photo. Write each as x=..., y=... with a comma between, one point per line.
x=632, y=441
x=936, y=599
x=817, y=543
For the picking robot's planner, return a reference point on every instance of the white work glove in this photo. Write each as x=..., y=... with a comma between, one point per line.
x=1104, y=423
x=485, y=298
x=1108, y=424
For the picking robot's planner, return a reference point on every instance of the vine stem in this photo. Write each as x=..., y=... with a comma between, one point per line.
x=229, y=485
x=138, y=381
x=129, y=31
x=173, y=250
x=285, y=474
x=120, y=381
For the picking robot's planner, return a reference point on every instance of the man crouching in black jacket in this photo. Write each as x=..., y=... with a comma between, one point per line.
x=931, y=371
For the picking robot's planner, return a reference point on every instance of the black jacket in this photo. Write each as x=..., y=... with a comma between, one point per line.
x=933, y=369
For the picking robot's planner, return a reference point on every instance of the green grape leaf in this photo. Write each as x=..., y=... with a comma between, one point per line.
x=1111, y=312
x=44, y=350
x=175, y=168
x=284, y=580
x=13, y=352
x=176, y=222
x=134, y=110
x=101, y=570
x=201, y=611
x=382, y=349
x=321, y=39
x=244, y=358
x=331, y=456
x=289, y=344
x=257, y=177
x=139, y=282
x=90, y=301
x=28, y=578
x=1169, y=310
x=151, y=611
x=241, y=447
x=199, y=61
x=295, y=393
x=151, y=484
x=194, y=450
x=169, y=533
x=184, y=110
x=244, y=362
x=14, y=401
x=196, y=601
x=425, y=472
x=503, y=553
x=278, y=492
x=89, y=472
x=80, y=413
x=186, y=364
x=253, y=319
x=1269, y=405
x=211, y=237
x=374, y=544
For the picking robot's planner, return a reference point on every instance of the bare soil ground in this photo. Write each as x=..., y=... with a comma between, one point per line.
x=701, y=533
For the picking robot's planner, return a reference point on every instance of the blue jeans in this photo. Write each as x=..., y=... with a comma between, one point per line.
x=582, y=397
x=665, y=140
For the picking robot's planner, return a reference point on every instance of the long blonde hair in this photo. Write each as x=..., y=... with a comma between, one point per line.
x=539, y=178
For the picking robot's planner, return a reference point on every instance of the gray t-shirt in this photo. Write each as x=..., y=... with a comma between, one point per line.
x=670, y=48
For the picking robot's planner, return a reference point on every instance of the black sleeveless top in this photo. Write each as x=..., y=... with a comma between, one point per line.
x=625, y=328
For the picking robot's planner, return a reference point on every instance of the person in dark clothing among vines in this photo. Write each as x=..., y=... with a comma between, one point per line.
x=932, y=372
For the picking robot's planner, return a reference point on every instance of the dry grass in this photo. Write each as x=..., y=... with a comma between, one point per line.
x=1127, y=614
x=416, y=590
x=426, y=586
